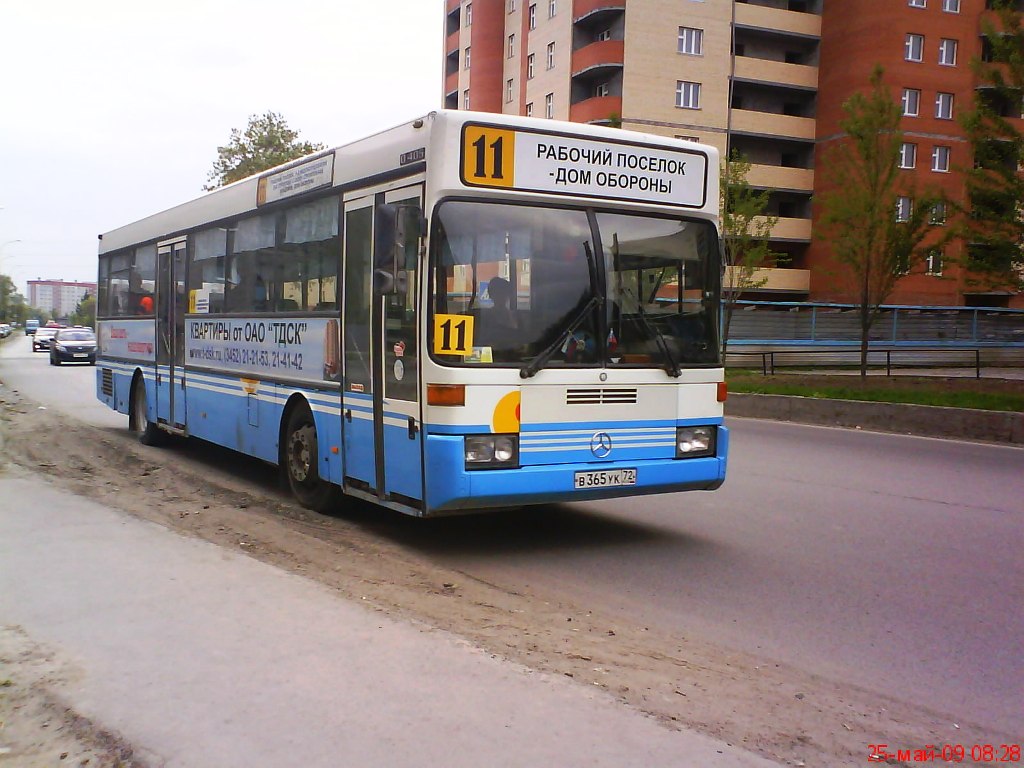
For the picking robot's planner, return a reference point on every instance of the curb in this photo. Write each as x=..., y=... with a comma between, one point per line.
x=921, y=420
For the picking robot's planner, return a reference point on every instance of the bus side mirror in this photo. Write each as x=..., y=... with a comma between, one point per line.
x=393, y=225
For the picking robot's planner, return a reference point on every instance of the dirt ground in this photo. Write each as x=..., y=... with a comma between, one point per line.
x=685, y=682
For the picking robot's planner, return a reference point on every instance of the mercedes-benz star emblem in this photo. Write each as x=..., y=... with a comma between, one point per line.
x=601, y=444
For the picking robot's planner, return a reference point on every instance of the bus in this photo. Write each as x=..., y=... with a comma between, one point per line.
x=465, y=312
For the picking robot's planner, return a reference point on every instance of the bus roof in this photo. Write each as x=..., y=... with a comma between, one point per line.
x=544, y=150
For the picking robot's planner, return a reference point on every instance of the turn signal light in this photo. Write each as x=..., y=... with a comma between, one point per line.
x=446, y=394
x=723, y=391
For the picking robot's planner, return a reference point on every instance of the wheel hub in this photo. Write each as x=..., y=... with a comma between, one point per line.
x=300, y=453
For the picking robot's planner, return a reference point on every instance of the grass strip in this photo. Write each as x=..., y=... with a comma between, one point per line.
x=916, y=395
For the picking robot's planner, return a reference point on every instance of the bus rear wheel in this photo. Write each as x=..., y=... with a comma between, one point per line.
x=301, y=457
x=138, y=419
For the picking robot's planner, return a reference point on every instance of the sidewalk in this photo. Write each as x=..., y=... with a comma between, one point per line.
x=199, y=656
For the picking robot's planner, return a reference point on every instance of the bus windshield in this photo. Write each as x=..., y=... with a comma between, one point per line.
x=556, y=287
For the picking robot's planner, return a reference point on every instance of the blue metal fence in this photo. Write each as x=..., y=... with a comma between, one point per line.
x=773, y=323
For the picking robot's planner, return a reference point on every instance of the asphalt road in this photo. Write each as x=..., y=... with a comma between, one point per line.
x=888, y=562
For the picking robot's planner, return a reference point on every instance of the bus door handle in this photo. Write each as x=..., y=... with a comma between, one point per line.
x=413, y=428
x=348, y=415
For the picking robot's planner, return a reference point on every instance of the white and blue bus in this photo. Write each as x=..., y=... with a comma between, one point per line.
x=466, y=312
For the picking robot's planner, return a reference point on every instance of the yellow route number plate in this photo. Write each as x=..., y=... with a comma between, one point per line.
x=453, y=334
x=488, y=156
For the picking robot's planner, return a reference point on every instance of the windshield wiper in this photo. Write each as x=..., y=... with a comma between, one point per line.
x=530, y=369
x=671, y=366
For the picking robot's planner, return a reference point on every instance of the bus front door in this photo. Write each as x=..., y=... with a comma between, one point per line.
x=170, y=334
x=380, y=400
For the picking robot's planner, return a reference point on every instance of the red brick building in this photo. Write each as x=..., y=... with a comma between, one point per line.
x=765, y=77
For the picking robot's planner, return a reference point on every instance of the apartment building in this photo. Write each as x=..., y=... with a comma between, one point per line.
x=765, y=77
x=58, y=297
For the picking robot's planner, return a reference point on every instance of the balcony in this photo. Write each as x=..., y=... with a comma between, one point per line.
x=778, y=20
x=792, y=230
x=772, y=124
x=775, y=280
x=776, y=73
x=451, y=83
x=598, y=59
x=590, y=10
x=598, y=109
x=779, y=177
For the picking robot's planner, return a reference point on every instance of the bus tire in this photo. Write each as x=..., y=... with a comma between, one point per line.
x=301, y=457
x=138, y=417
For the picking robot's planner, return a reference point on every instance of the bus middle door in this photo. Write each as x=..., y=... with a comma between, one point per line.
x=170, y=334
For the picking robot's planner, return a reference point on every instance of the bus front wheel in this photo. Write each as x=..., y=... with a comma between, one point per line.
x=138, y=419
x=301, y=457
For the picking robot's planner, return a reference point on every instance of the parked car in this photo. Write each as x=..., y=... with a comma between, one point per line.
x=5, y=330
x=41, y=338
x=73, y=345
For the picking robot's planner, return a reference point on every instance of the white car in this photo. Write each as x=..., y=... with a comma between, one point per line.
x=42, y=337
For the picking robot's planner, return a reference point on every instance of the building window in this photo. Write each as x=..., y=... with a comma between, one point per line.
x=509, y=89
x=466, y=66
x=951, y=6
x=908, y=155
x=911, y=102
x=465, y=99
x=604, y=34
x=687, y=138
x=904, y=208
x=913, y=48
x=549, y=106
x=938, y=213
x=551, y=55
x=918, y=3
x=532, y=15
x=529, y=109
x=687, y=95
x=602, y=89
x=511, y=6
x=552, y=8
x=529, y=67
x=469, y=13
x=940, y=159
x=944, y=106
x=933, y=262
x=511, y=46
x=947, y=52
x=691, y=41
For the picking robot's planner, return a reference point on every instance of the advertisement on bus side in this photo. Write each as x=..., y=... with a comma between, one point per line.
x=304, y=349
x=127, y=339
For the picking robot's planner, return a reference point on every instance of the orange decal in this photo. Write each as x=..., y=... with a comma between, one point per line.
x=505, y=418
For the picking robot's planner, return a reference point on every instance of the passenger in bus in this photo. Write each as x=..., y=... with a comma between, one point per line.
x=145, y=306
x=499, y=325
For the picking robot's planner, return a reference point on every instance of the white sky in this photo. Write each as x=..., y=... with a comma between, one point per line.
x=111, y=110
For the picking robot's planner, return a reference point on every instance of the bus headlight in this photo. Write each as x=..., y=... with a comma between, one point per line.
x=692, y=442
x=492, y=451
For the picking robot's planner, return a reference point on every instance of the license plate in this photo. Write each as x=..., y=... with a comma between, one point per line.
x=81, y=354
x=606, y=478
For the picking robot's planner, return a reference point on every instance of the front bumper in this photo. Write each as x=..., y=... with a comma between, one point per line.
x=450, y=488
x=75, y=356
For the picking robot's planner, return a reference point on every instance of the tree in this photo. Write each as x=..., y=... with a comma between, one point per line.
x=266, y=143
x=85, y=312
x=7, y=294
x=993, y=226
x=875, y=237
x=745, y=232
